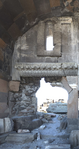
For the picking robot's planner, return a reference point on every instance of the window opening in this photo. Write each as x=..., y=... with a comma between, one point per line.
x=49, y=36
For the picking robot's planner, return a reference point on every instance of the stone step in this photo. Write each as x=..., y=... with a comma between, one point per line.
x=20, y=138
x=45, y=136
x=3, y=137
x=60, y=146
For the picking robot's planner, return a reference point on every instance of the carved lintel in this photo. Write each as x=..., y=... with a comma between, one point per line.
x=47, y=69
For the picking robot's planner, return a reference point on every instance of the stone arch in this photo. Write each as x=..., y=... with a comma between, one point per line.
x=51, y=90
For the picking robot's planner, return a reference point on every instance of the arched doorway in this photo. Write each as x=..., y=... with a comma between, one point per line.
x=49, y=93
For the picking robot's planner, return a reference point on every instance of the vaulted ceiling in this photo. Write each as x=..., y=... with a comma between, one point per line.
x=18, y=16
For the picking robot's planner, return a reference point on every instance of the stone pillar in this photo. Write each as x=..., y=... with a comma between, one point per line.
x=72, y=106
x=72, y=111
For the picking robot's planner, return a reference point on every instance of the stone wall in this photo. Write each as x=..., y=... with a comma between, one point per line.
x=22, y=95
x=4, y=109
x=24, y=102
x=5, y=60
x=31, y=47
x=65, y=36
x=30, y=50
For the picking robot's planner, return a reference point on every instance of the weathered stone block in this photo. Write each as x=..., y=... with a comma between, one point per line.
x=60, y=146
x=74, y=138
x=54, y=3
x=14, y=86
x=72, y=106
x=3, y=97
x=3, y=86
x=71, y=128
x=8, y=124
x=72, y=124
x=2, y=138
x=26, y=122
x=57, y=108
x=65, y=84
x=3, y=107
x=20, y=138
x=63, y=123
x=11, y=97
x=1, y=125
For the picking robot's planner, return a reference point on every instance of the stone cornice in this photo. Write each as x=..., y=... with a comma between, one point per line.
x=46, y=69
x=45, y=66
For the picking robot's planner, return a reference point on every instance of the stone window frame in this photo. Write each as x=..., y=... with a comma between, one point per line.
x=41, y=39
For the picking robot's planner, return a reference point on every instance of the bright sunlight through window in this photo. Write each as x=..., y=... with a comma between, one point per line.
x=49, y=43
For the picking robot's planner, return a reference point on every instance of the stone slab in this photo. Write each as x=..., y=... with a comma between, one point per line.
x=20, y=138
x=73, y=104
x=57, y=108
x=14, y=86
x=60, y=146
x=26, y=123
x=8, y=124
x=74, y=138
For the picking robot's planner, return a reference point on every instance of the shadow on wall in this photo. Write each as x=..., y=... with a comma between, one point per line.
x=47, y=94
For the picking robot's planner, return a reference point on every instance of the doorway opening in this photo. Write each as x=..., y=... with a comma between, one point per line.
x=48, y=94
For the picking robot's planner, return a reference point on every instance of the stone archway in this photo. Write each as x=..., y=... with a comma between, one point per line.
x=24, y=102
x=50, y=94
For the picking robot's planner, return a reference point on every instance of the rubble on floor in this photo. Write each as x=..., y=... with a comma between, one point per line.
x=46, y=135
